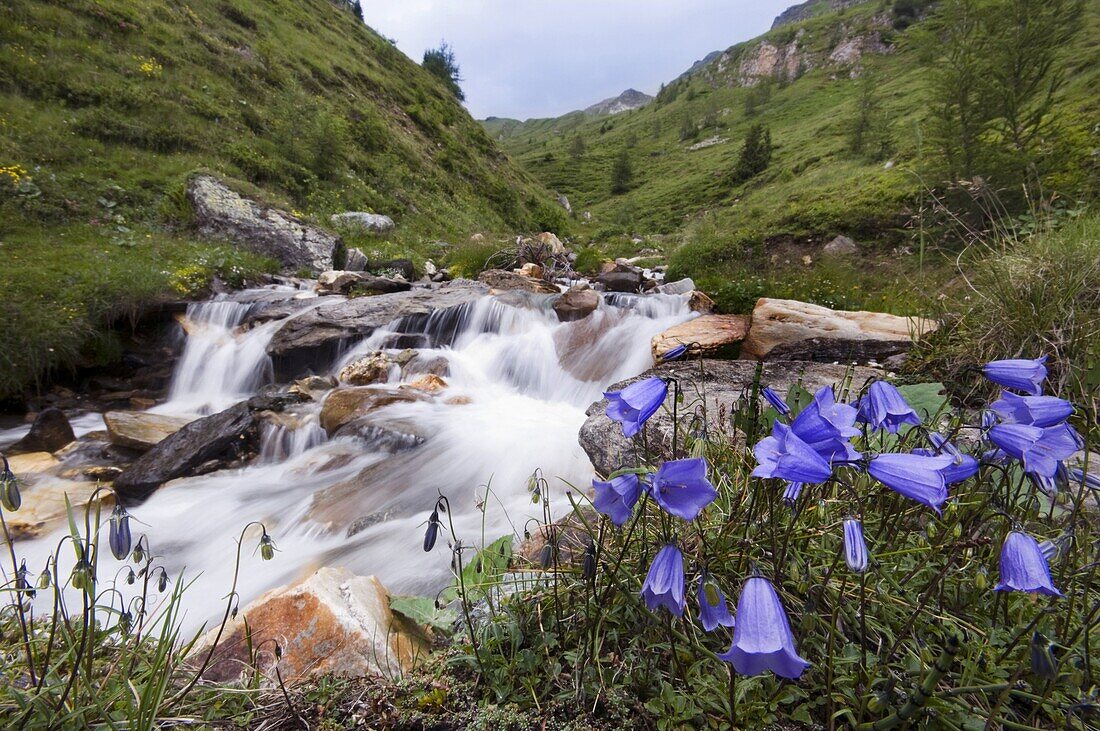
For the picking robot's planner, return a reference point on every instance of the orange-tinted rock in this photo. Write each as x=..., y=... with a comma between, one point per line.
x=332, y=622
x=346, y=404
x=429, y=383
x=707, y=334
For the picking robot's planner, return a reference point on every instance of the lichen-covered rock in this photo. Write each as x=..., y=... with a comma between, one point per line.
x=792, y=330
x=331, y=623
x=373, y=368
x=221, y=212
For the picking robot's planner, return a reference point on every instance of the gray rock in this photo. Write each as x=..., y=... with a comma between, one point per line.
x=501, y=280
x=722, y=381
x=563, y=201
x=220, y=212
x=680, y=286
x=394, y=267
x=312, y=341
x=356, y=261
x=840, y=246
x=576, y=304
x=362, y=283
x=623, y=278
x=374, y=223
x=49, y=432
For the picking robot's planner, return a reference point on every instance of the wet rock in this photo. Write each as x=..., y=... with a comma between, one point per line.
x=501, y=281
x=44, y=509
x=792, y=330
x=840, y=246
x=331, y=623
x=198, y=446
x=434, y=364
x=220, y=212
x=680, y=286
x=623, y=278
x=576, y=304
x=356, y=261
x=374, y=223
x=723, y=382
x=394, y=268
x=373, y=368
x=141, y=430
x=531, y=270
x=344, y=405
x=700, y=302
x=707, y=335
x=428, y=383
x=311, y=341
x=358, y=283
x=49, y=432
x=314, y=387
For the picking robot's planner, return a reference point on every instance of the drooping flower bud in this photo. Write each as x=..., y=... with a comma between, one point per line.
x=45, y=579
x=590, y=561
x=162, y=580
x=81, y=577
x=131, y=577
x=432, y=533
x=9, y=489
x=777, y=401
x=1043, y=662
x=119, y=535
x=267, y=547
x=855, y=548
x=125, y=622
x=139, y=552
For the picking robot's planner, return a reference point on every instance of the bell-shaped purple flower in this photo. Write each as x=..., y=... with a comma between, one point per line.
x=713, y=612
x=1042, y=411
x=682, y=489
x=1020, y=374
x=963, y=466
x=632, y=406
x=883, y=407
x=664, y=584
x=855, y=548
x=786, y=456
x=616, y=497
x=1040, y=450
x=916, y=476
x=1024, y=567
x=791, y=493
x=674, y=353
x=762, y=638
x=942, y=445
x=827, y=426
x=777, y=401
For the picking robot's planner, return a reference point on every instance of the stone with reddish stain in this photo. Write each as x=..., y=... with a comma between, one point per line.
x=343, y=405
x=331, y=623
x=707, y=335
x=429, y=383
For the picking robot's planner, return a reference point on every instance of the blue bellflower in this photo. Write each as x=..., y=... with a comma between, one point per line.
x=1024, y=567
x=633, y=405
x=1020, y=374
x=855, y=548
x=786, y=456
x=883, y=407
x=1040, y=450
x=762, y=638
x=1041, y=411
x=712, y=614
x=962, y=468
x=827, y=426
x=616, y=497
x=674, y=353
x=916, y=476
x=777, y=401
x=664, y=584
x=791, y=493
x=682, y=489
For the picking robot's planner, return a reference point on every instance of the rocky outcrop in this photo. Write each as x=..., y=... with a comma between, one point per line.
x=374, y=223
x=49, y=432
x=806, y=10
x=710, y=390
x=222, y=213
x=202, y=445
x=311, y=341
x=359, y=283
x=503, y=281
x=141, y=430
x=792, y=330
x=576, y=304
x=331, y=623
x=707, y=335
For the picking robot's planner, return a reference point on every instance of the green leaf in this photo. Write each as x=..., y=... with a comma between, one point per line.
x=927, y=399
x=483, y=571
x=422, y=610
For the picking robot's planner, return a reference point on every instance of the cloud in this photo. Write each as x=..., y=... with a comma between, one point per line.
x=522, y=58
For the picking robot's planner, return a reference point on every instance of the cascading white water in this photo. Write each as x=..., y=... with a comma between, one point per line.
x=518, y=387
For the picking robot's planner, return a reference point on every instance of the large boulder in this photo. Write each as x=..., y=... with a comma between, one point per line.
x=374, y=223
x=50, y=432
x=223, y=437
x=552, y=242
x=707, y=335
x=330, y=623
x=711, y=389
x=141, y=430
x=221, y=212
x=345, y=405
x=576, y=304
x=792, y=330
x=502, y=281
x=311, y=341
x=355, y=261
x=373, y=368
x=621, y=278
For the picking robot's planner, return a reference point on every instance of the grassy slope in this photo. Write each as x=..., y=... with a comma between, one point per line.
x=106, y=106
x=814, y=188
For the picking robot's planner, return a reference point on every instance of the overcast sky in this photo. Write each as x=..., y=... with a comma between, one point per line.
x=543, y=58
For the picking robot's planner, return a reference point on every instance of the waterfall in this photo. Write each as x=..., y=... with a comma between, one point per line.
x=518, y=385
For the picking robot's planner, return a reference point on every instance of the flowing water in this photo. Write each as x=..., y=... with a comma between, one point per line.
x=519, y=384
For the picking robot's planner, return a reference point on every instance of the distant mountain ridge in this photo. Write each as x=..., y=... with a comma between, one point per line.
x=627, y=101
x=501, y=128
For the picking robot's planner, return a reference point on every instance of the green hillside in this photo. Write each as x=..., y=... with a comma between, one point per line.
x=816, y=186
x=107, y=106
